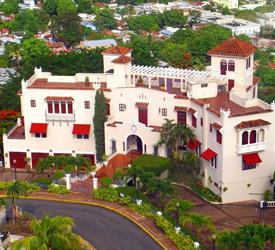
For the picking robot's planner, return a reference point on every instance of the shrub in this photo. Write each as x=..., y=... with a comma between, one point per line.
x=58, y=189
x=44, y=181
x=4, y=185
x=106, y=182
x=267, y=195
x=58, y=175
x=31, y=187
x=132, y=193
x=152, y=163
x=108, y=194
x=69, y=169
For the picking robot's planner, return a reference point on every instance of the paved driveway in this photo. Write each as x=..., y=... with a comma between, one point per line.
x=104, y=229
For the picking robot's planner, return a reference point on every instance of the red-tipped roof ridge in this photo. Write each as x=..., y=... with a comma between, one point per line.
x=117, y=50
x=233, y=47
x=122, y=59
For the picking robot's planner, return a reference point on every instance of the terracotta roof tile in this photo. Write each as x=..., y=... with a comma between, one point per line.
x=222, y=101
x=142, y=104
x=216, y=126
x=59, y=98
x=122, y=59
x=44, y=84
x=181, y=96
x=252, y=124
x=180, y=108
x=117, y=50
x=256, y=80
x=191, y=110
x=233, y=47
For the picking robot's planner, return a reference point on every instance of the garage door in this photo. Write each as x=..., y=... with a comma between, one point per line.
x=19, y=157
x=36, y=157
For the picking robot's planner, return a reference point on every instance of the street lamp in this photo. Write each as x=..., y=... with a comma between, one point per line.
x=14, y=166
x=214, y=241
x=178, y=214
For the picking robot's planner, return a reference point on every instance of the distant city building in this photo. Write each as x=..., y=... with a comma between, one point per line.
x=98, y=43
x=267, y=19
x=168, y=31
x=230, y=4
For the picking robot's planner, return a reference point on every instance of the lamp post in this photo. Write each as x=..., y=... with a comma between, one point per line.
x=14, y=166
x=178, y=214
x=214, y=241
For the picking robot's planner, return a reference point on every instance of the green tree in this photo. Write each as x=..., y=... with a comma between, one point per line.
x=228, y=241
x=33, y=48
x=191, y=162
x=98, y=121
x=50, y=233
x=147, y=23
x=65, y=6
x=174, y=18
x=14, y=191
x=10, y=7
x=84, y=6
x=182, y=205
x=105, y=19
x=199, y=222
x=50, y=6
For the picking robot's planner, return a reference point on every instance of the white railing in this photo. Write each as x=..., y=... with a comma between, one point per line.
x=12, y=130
x=248, y=148
x=268, y=204
x=60, y=117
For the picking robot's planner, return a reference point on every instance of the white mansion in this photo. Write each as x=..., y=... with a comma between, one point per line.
x=233, y=127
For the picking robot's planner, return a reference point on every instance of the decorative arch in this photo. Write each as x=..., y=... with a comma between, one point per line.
x=253, y=137
x=134, y=143
x=244, y=138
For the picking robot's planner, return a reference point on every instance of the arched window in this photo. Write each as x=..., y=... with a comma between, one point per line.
x=245, y=138
x=261, y=135
x=223, y=67
x=108, y=109
x=252, y=137
x=231, y=65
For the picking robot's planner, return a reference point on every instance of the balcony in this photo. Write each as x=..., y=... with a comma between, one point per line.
x=249, y=148
x=60, y=117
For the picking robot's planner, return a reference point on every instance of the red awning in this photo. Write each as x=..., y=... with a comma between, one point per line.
x=208, y=154
x=39, y=128
x=252, y=158
x=192, y=144
x=81, y=129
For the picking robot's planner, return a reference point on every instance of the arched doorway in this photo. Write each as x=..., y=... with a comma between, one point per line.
x=134, y=143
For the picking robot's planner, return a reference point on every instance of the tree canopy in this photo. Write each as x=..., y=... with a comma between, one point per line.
x=105, y=19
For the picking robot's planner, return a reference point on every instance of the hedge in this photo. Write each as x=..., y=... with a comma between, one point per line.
x=152, y=163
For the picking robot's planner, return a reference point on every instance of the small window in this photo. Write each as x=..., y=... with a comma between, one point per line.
x=216, y=184
x=194, y=121
x=248, y=166
x=122, y=107
x=201, y=121
x=63, y=107
x=244, y=138
x=40, y=135
x=108, y=109
x=50, y=107
x=213, y=162
x=164, y=112
x=205, y=85
x=87, y=104
x=70, y=107
x=252, y=137
x=219, y=137
x=56, y=107
x=156, y=149
x=82, y=136
x=231, y=65
x=33, y=103
x=210, y=127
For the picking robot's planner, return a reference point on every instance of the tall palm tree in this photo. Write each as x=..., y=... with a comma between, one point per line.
x=199, y=222
x=169, y=136
x=14, y=191
x=184, y=133
x=228, y=241
x=50, y=234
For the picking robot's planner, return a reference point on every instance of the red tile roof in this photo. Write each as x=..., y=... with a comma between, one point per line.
x=142, y=104
x=122, y=59
x=252, y=124
x=216, y=126
x=271, y=65
x=256, y=80
x=117, y=50
x=222, y=101
x=181, y=96
x=59, y=98
x=43, y=83
x=233, y=47
x=180, y=108
x=191, y=110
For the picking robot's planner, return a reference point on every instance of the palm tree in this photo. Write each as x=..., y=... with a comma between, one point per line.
x=50, y=234
x=191, y=162
x=14, y=191
x=162, y=188
x=184, y=133
x=228, y=241
x=178, y=206
x=200, y=222
x=169, y=136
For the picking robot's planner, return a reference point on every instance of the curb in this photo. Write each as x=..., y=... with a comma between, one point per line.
x=98, y=205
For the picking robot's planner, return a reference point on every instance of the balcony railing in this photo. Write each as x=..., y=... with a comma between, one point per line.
x=60, y=117
x=249, y=148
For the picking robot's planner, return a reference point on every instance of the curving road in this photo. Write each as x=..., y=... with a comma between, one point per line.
x=104, y=229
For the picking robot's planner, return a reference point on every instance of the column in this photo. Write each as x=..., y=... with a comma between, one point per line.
x=68, y=181
x=95, y=183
